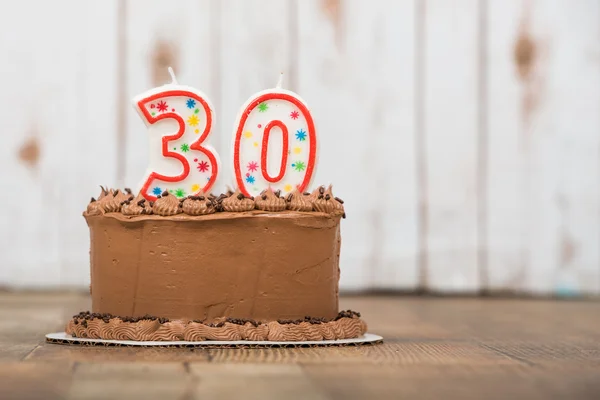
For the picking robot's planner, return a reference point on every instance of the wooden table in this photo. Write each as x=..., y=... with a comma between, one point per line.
x=450, y=348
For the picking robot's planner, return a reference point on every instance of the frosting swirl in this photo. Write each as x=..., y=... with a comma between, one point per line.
x=166, y=205
x=324, y=201
x=118, y=198
x=137, y=206
x=346, y=325
x=296, y=201
x=96, y=207
x=197, y=205
x=237, y=202
x=270, y=201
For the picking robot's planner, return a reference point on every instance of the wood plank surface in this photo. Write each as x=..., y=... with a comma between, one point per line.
x=456, y=348
x=543, y=230
x=450, y=110
x=363, y=108
x=57, y=122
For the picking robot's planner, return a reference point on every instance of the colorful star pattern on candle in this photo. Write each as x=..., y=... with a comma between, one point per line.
x=252, y=166
x=187, y=158
x=203, y=166
x=301, y=135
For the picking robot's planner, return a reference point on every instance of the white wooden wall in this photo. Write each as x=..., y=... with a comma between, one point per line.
x=464, y=135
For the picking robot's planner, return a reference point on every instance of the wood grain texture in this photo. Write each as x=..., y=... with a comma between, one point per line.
x=56, y=99
x=543, y=147
x=433, y=347
x=451, y=106
x=363, y=106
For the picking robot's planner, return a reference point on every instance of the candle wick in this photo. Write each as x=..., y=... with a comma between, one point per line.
x=174, y=80
x=280, y=81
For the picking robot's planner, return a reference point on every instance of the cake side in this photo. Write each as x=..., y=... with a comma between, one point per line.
x=247, y=265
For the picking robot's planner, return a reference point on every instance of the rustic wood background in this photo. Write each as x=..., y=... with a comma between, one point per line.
x=464, y=135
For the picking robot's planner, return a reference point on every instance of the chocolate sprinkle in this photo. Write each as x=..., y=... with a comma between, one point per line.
x=264, y=197
x=339, y=200
x=289, y=197
x=306, y=193
x=327, y=197
x=141, y=202
x=320, y=197
x=92, y=200
x=128, y=191
x=85, y=316
x=165, y=193
x=151, y=204
x=321, y=189
x=240, y=196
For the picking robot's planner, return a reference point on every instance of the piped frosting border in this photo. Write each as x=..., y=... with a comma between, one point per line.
x=124, y=202
x=346, y=325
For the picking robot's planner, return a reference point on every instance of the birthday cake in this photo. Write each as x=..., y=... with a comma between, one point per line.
x=174, y=262
x=215, y=268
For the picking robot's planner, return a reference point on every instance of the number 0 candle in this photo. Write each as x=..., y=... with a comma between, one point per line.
x=179, y=119
x=275, y=143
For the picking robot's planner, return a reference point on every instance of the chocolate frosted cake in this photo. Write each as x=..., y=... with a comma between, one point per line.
x=204, y=267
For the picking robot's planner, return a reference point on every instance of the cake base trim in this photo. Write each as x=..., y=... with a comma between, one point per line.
x=346, y=325
x=61, y=338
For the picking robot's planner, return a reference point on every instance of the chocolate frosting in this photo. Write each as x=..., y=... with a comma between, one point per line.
x=270, y=201
x=137, y=206
x=296, y=201
x=324, y=201
x=153, y=329
x=198, y=205
x=237, y=202
x=96, y=207
x=250, y=265
x=166, y=205
x=114, y=204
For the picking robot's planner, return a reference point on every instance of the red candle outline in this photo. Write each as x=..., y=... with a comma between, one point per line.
x=311, y=134
x=265, y=150
x=166, y=139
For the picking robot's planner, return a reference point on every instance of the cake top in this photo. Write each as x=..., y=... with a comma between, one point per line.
x=168, y=204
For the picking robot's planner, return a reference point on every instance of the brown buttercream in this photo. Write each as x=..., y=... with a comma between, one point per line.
x=152, y=329
x=117, y=200
x=96, y=207
x=241, y=265
x=166, y=205
x=296, y=201
x=237, y=202
x=270, y=201
x=137, y=206
x=324, y=201
x=198, y=205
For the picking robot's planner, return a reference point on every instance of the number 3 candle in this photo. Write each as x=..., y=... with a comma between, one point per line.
x=264, y=115
x=179, y=120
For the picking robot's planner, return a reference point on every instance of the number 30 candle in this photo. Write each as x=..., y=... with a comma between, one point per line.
x=265, y=115
x=179, y=119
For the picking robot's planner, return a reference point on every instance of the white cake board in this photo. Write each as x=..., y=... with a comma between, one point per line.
x=63, y=338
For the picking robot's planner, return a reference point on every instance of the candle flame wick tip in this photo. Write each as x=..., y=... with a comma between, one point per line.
x=172, y=73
